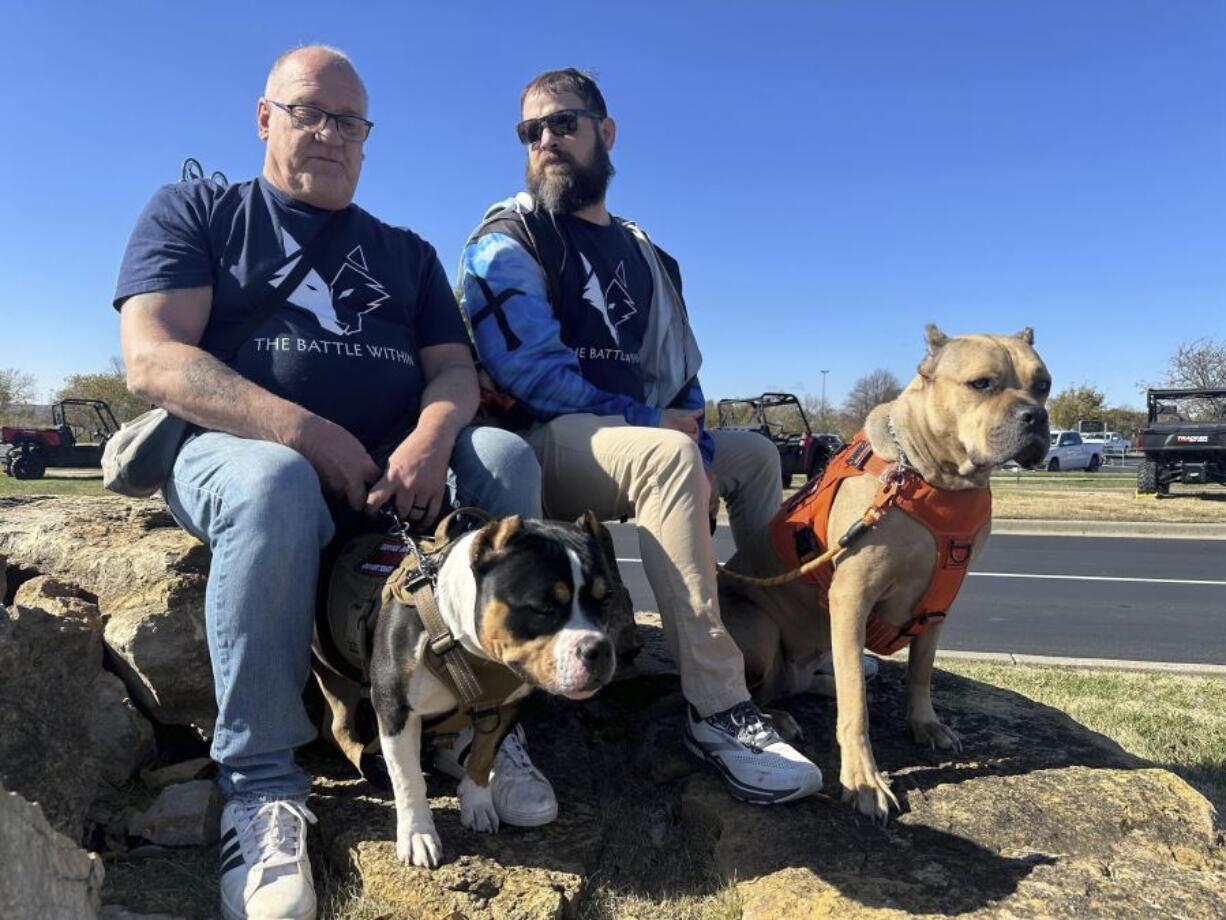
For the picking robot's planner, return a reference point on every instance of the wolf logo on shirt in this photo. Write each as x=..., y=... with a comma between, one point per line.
x=340, y=306
x=613, y=303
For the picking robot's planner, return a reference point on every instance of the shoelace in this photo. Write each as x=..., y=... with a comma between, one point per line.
x=280, y=829
x=750, y=728
x=513, y=754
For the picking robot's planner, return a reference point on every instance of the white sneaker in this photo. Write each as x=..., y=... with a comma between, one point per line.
x=755, y=764
x=522, y=796
x=265, y=872
x=825, y=666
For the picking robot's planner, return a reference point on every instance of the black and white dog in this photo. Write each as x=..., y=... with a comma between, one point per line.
x=529, y=597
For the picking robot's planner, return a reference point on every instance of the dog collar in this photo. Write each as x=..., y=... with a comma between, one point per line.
x=904, y=465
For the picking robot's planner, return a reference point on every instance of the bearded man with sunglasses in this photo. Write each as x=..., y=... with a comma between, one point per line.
x=578, y=316
x=340, y=342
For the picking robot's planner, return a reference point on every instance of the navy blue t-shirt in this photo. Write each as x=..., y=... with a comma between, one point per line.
x=607, y=332
x=345, y=343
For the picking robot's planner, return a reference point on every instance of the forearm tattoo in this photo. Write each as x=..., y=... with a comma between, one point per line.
x=212, y=381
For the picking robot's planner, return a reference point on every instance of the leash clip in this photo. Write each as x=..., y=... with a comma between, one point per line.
x=400, y=528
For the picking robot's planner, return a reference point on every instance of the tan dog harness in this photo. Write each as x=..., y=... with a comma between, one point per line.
x=377, y=572
x=954, y=518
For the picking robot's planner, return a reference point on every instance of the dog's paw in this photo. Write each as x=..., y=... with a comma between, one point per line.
x=936, y=734
x=869, y=792
x=789, y=729
x=419, y=845
x=477, y=812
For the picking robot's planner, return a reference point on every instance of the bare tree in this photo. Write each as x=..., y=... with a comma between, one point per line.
x=1199, y=364
x=866, y=393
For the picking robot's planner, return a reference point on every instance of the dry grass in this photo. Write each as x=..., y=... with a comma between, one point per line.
x=1105, y=496
x=1105, y=503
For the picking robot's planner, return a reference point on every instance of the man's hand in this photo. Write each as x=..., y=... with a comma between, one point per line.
x=343, y=465
x=416, y=478
x=683, y=420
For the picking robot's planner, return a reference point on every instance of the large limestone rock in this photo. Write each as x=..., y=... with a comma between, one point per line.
x=49, y=662
x=122, y=737
x=1039, y=818
x=43, y=874
x=147, y=577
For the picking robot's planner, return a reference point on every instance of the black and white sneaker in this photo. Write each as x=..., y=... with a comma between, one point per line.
x=265, y=872
x=755, y=764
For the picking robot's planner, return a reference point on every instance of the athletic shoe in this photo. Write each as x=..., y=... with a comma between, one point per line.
x=825, y=665
x=522, y=796
x=265, y=872
x=755, y=764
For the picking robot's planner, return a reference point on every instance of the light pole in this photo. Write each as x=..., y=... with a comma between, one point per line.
x=824, y=425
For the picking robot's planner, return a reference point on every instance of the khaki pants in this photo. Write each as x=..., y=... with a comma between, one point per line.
x=656, y=475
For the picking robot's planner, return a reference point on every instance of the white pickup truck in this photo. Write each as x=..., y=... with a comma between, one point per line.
x=1069, y=452
x=1109, y=440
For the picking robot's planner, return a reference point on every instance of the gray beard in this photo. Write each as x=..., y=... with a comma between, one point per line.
x=565, y=191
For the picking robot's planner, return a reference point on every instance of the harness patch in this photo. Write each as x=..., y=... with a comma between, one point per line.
x=385, y=559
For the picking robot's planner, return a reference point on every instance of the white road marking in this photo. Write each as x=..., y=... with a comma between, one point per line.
x=1148, y=581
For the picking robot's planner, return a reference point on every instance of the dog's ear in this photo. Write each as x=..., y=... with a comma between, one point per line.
x=591, y=523
x=935, y=339
x=1026, y=335
x=493, y=538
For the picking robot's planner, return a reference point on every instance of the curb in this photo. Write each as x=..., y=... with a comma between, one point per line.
x=1101, y=664
x=1153, y=529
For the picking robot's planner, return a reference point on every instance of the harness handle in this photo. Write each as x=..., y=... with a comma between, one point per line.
x=886, y=495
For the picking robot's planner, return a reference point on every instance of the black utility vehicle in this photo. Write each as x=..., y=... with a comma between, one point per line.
x=31, y=450
x=1184, y=439
x=780, y=417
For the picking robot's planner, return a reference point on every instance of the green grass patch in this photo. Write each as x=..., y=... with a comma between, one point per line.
x=1177, y=721
x=81, y=482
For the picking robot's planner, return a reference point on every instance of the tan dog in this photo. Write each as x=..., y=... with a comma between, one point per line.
x=976, y=402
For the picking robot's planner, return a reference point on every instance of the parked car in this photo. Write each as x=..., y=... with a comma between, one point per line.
x=1069, y=452
x=1108, y=440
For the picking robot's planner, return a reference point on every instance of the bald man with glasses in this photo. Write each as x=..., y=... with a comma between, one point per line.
x=319, y=356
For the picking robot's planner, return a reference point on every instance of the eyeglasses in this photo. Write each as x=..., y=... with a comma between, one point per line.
x=562, y=123
x=310, y=118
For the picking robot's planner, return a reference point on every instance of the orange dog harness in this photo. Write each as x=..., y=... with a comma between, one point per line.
x=954, y=518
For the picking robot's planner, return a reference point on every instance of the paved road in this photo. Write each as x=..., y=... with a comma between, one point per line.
x=1076, y=597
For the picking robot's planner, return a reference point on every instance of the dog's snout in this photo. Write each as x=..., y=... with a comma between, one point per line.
x=1032, y=415
x=595, y=652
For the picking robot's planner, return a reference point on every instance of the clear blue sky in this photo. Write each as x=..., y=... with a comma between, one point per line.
x=830, y=175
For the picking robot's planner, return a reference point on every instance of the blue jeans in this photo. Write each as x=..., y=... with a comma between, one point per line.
x=259, y=507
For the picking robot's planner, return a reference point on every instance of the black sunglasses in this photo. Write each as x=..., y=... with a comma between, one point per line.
x=562, y=123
